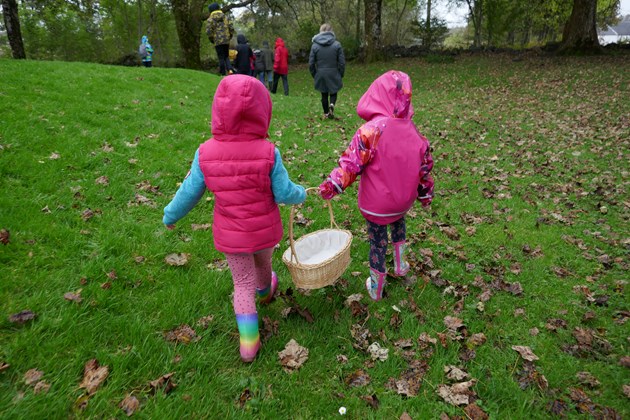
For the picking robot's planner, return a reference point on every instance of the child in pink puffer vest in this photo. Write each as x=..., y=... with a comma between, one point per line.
x=244, y=170
x=394, y=162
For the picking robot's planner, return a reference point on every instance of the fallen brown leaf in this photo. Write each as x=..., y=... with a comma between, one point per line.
x=32, y=376
x=293, y=356
x=454, y=373
x=22, y=317
x=41, y=386
x=5, y=236
x=177, y=259
x=371, y=400
x=358, y=378
x=526, y=353
x=204, y=226
x=586, y=378
x=93, y=376
x=4, y=366
x=458, y=393
x=73, y=296
x=164, y=382
x=474, y=412
x=182, y=334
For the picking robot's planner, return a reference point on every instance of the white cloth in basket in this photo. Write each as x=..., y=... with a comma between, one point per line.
x=318, y=247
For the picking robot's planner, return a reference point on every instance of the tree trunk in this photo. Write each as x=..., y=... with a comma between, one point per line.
x=358, y=26
x=372, y=31
x=427, y=29
x=12, y=23
x=580, y=33
x=188, y=22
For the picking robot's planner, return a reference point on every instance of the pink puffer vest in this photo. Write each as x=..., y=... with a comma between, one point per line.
x=246, y=217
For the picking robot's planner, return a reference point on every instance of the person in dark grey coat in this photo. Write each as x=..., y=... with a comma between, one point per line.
x=327, y=65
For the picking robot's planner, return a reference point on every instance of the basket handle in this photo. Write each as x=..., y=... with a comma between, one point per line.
x=291, y=240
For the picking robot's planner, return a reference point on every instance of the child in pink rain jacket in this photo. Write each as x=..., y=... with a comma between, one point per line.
x=394, y=162
x=244, y=171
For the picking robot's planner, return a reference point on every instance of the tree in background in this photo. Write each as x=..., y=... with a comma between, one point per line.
x=373, y=32
x=12, y=24
x=580, y=32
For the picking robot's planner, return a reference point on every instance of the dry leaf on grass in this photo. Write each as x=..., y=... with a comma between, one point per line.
x=457, y=394
x=586, y=378
x=410, y=380
x=372, y=400
x=474, y=412
x=129, y=405
x=377, y=352
x=626, y=390
x=22, y=317
x=358, y=378
x=453, y=323
x=182, y=334
x=177, y=260
x=93, y=376
x=32, y=376
x=526, y=353
x=477, y=339
x=4, y=366
x=4, y=236
x=41, y=386
x=102, y=180
x=454, y=373
x=405, y=416
x=204, y=226
x=293, y=356
x=353, y=298
x=164, y=382
x=73, y=296
x=204, y=321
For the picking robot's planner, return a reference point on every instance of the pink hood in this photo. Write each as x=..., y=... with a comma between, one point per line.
x=241, y=109
x=387, y=96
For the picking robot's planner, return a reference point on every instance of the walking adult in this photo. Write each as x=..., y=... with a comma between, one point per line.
x=327, y=65
x=267, y=56
x=280, y=67
x=220, y=30
x=244, y=54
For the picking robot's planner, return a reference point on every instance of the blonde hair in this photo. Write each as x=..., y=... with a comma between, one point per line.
x=325, y=28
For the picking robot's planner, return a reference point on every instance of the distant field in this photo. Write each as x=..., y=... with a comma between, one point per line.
x=526, y=244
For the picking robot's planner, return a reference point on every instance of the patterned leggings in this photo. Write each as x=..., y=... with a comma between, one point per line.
x=249, y=272
x=378, y=241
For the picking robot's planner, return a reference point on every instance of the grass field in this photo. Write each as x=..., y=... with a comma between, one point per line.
x=526, y=244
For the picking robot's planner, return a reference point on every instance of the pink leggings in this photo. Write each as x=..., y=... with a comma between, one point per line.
x=249, y=272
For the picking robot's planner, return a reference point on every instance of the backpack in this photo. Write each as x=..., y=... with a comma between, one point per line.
x=142, y=50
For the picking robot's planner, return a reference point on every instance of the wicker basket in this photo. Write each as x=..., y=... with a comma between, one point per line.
x=319, y=258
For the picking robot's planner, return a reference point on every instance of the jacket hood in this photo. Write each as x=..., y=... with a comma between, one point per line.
x=324, y=38
x=241, y=109
x=279, y=42
x=213, y=6
x=145, y=39
x=265, y=44
x=387, y=96
x=240, y=38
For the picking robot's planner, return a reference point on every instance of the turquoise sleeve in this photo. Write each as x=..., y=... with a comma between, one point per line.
x=188, y=194
x=284, y=190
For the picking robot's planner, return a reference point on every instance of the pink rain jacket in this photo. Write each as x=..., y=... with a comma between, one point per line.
x=389, y=153
x=236, y=163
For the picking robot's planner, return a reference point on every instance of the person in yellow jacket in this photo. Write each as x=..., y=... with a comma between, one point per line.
x=220, y=31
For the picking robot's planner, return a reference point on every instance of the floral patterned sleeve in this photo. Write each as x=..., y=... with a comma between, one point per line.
x=425, y=187
x=351, y=163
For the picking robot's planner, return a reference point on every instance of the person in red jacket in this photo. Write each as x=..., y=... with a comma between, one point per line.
x=280, y=67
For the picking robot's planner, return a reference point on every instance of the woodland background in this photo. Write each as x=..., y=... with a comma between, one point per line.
x=108, y=31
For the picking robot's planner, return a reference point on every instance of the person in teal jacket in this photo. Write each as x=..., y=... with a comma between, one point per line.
x=146, y=52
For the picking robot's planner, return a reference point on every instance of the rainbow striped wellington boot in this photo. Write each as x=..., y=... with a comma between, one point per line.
x=249, y=337
x=266, y=295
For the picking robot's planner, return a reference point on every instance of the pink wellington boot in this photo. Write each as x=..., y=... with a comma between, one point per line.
x=375, y=284
x=401, y=267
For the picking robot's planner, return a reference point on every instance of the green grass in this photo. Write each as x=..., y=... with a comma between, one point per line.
x=532, y=150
